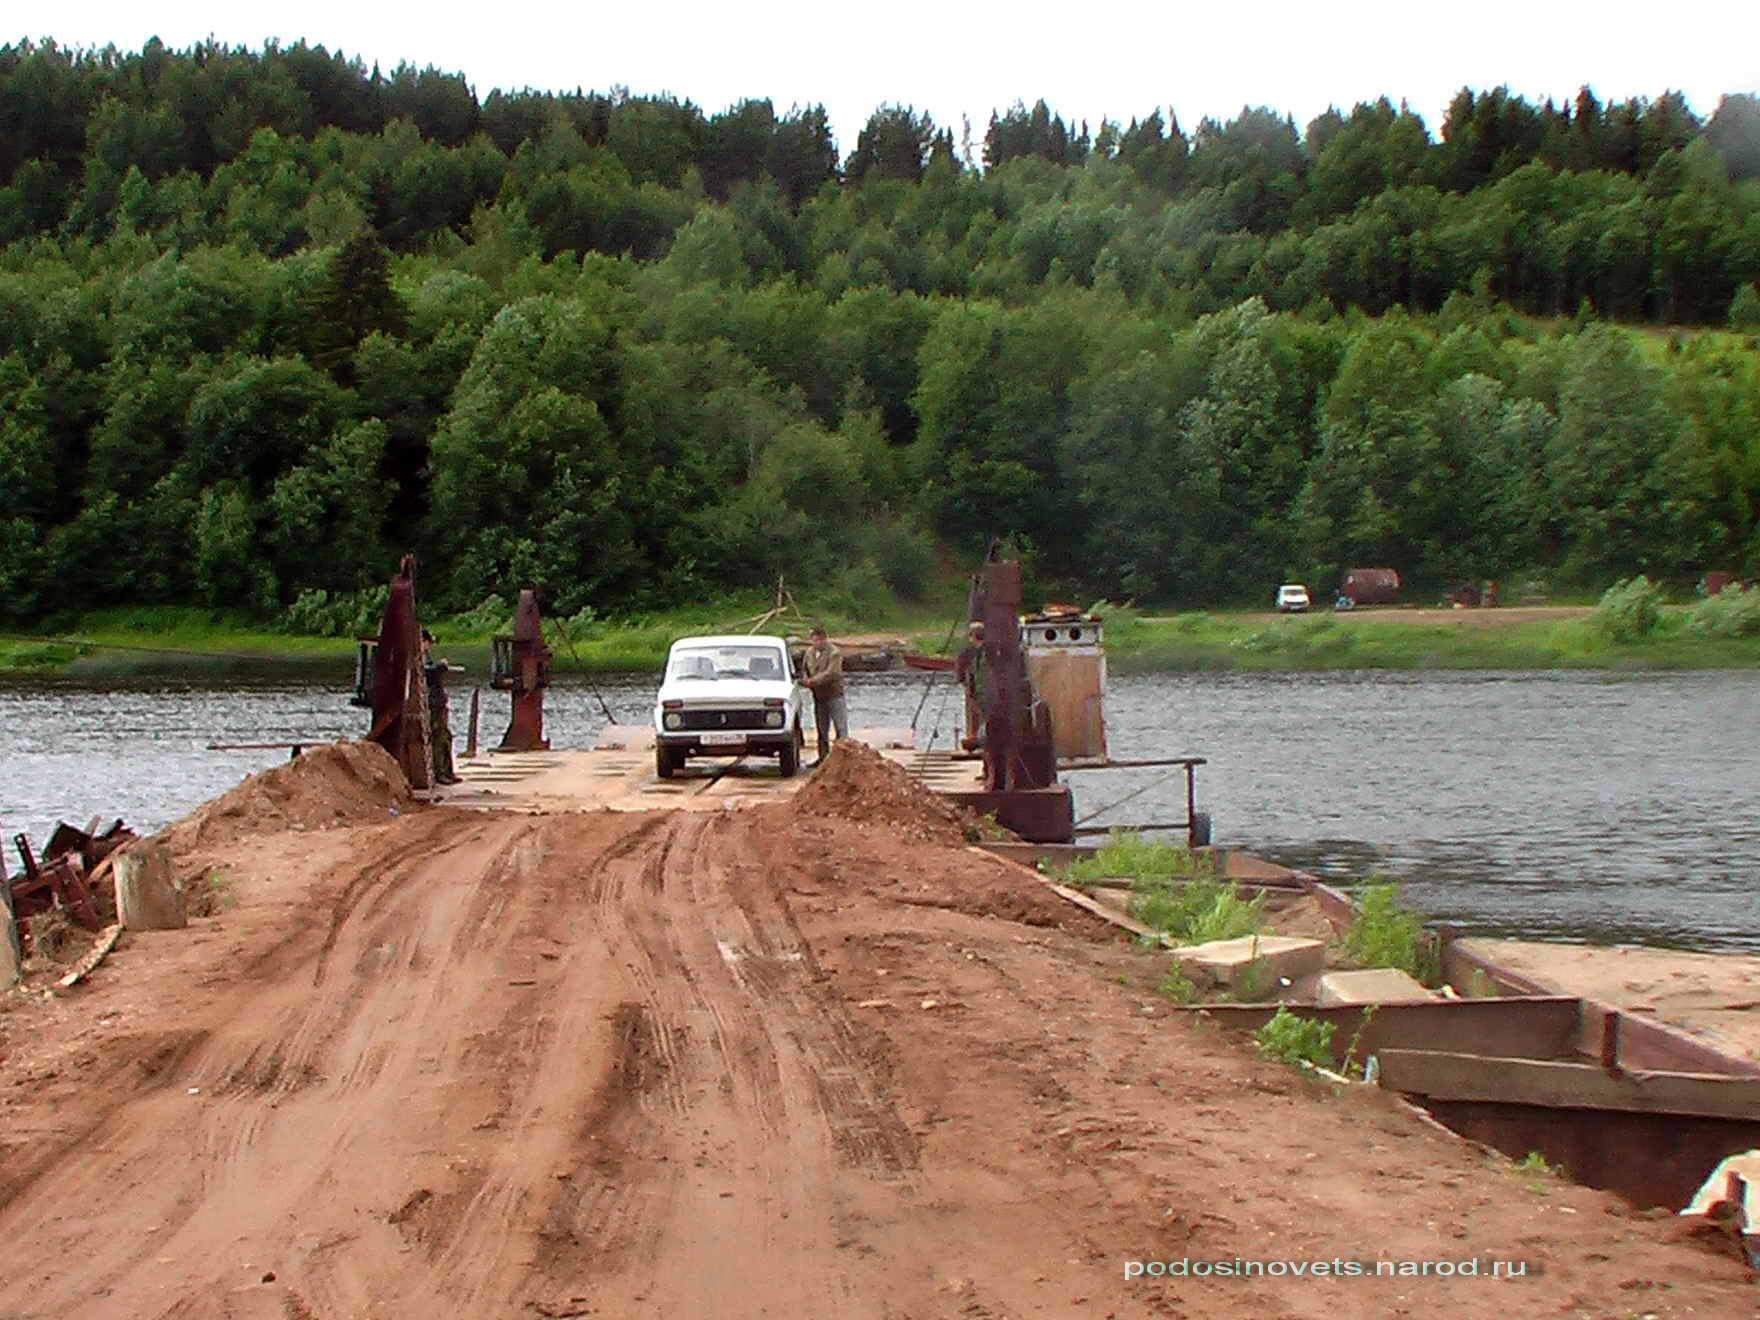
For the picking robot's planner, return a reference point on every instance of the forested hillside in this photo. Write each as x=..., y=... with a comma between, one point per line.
x=268, y=318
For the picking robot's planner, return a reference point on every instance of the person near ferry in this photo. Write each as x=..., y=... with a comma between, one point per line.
x=439, y=725
x=968, y=668
x=822, y=672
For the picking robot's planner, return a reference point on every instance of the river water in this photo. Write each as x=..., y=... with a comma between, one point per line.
x=1600, y=806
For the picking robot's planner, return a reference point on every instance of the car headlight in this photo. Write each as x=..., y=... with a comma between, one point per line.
x=673, y=720
x=774, y=719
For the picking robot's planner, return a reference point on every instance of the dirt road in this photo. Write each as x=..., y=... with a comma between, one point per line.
x=752, y=1063
x=1501, y=617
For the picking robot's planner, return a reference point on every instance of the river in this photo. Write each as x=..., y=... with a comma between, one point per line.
x=1603, y=806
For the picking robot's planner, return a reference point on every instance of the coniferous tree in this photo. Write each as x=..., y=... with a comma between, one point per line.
x=354, y=300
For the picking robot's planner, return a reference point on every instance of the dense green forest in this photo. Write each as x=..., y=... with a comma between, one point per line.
x=269, y=318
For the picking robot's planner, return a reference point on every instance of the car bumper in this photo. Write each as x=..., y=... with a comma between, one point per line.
x=767, y=741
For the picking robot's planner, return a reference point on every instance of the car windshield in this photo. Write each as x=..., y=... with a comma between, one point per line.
x=733, y=661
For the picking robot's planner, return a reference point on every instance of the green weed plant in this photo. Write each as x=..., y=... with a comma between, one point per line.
x=1388, y=933
x=1295, y=1040
x=1177, y=986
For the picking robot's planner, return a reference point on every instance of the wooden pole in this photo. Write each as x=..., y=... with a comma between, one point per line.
x=470, y=744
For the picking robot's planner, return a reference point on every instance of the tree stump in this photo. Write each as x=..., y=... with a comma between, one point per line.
x=148, y=896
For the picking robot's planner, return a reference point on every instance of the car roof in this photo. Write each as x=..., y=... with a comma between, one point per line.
x=731, y=639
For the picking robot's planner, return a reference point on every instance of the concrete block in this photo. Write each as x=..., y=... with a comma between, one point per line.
x=11, y=947
x=148, y=896
x=1381, y=985
x=11, y=956
x=1263, y=961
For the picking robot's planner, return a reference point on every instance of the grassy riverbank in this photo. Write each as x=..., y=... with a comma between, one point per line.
x=162, y=639
x=1517, y=638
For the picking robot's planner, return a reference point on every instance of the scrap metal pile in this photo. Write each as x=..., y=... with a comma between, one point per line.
x=71, y=876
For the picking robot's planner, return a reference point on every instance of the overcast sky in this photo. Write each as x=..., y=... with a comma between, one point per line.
x=1089, y=61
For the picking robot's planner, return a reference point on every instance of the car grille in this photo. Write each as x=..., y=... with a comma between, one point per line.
x=724, y=719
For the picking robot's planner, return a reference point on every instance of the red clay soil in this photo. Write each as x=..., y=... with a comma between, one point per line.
x=349, y=782
x=769, y=1062
x=855, y=782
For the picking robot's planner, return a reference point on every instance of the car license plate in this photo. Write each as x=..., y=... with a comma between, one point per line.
x=721, y=739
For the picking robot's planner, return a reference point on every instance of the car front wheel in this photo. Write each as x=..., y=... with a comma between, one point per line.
x=668, y=761
x=789, y=759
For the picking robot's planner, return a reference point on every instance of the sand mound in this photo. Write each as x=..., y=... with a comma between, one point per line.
x=856, y=783
x=337, y=784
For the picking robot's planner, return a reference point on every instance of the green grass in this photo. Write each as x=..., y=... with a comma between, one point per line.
x=1173, y=890
x=1130, y=856
x=1195, y=641
x=1206, y=641
x=162, y=636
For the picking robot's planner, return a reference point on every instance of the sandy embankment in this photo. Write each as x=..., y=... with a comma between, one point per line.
x=813, y=1058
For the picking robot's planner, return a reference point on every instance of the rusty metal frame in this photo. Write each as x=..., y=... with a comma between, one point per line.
x=400, y=692
x=522, y=668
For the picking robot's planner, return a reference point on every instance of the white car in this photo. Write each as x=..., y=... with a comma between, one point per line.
x=1292, y=598
x=728, y=696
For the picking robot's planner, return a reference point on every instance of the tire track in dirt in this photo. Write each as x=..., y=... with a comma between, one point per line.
x=777, y=964
x=291, y=1085
x=725, y=1118
x=515, y=1053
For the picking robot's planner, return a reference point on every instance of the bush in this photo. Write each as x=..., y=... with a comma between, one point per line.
x=490, y=618
x=1629, y=611
x=318, y=613
x=1744, y=309
x=1732, y=612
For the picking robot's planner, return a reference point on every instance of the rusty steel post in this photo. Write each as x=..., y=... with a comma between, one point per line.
x=1020, y=756
x=1610, y=1042
x=400, y=691
x=522, y=667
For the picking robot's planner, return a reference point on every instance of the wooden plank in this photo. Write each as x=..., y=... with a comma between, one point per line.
x=1489, y=1078
x=94, y=956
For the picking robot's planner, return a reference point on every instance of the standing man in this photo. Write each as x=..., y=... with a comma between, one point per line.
x=968, y=668
x=822, y=671
x=439, y=726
